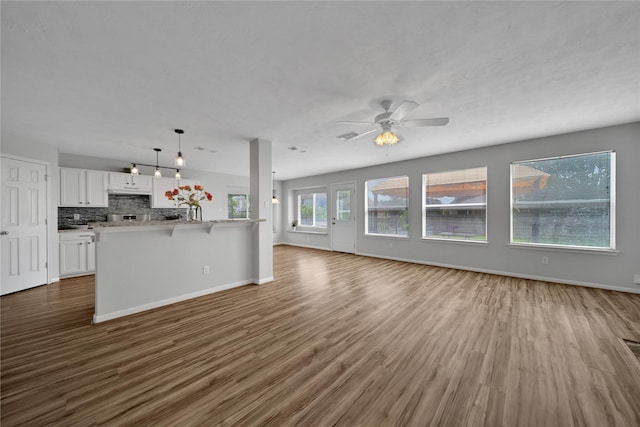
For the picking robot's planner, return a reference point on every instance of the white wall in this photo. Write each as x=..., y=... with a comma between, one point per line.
x=161, y=266
x=613, y=271
x=20, y=147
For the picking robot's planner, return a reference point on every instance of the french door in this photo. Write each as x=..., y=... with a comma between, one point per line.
x=343, y=217
x=23, y=225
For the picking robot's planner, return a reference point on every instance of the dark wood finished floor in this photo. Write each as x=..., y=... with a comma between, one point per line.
x=336, y=340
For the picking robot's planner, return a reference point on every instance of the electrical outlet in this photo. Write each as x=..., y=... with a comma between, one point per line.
x=76, y=216
x=545, y=260
x=205, y=269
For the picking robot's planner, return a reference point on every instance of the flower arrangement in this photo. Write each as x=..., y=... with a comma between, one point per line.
x=184, y=195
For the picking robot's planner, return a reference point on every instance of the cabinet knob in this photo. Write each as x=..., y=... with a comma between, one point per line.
x=3, y=233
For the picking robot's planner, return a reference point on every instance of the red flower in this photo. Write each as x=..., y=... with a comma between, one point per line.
x=197, y=187
x=175, y=192
x=209, y=196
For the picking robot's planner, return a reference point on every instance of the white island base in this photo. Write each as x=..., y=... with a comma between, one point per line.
x=140, y=267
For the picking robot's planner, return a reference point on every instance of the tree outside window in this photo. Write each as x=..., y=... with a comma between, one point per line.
x=238, y=206
x=564, y=201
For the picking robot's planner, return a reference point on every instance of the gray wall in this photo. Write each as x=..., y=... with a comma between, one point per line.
x=600, y=269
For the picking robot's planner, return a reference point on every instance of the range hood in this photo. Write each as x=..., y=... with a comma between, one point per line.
x=129, y=190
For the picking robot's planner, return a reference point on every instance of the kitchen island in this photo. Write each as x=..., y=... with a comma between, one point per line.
x=144, y=265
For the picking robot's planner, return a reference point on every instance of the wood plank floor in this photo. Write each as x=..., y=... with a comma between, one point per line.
x=336, y=340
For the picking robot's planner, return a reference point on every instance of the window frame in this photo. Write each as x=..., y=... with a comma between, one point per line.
x=485, y=204
x=298, y=214
x=554, y=246
x=366, y=209
x=246, y=196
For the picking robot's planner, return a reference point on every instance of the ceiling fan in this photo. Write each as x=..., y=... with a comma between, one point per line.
x=391, y=119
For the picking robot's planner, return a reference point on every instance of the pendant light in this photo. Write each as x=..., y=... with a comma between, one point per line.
x=134, y=169
x=157, y=173
x=274, y=199
x=180, y=162
x=178, y=176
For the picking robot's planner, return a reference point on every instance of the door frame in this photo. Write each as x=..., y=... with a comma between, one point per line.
x=48, y=204
x=354, y=210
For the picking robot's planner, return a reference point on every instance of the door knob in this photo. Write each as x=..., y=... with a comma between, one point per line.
x=3, y=233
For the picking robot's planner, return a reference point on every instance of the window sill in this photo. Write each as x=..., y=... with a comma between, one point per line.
x=307, y=232
x=457, y=241
x=570, y=249
x=387, y=236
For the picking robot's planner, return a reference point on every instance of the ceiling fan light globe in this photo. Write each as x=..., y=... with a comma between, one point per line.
x=386, y=138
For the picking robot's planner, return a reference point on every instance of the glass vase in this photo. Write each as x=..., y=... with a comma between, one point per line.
x=192, y=213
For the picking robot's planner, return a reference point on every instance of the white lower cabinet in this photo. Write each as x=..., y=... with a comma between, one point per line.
x=77, y=253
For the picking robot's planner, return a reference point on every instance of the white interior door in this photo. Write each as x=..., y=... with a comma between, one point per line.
x=23, y=225
x=343, y=218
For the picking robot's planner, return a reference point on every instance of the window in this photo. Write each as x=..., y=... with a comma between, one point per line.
x=564, y=201
x=387, y=206
x=343, y=205
x=312, y=210
x=455, y=205
x=238, y=206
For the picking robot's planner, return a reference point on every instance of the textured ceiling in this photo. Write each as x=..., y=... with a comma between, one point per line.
x=113, y=79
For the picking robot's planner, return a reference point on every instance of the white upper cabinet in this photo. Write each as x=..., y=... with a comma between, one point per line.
x=84, y=188
x=161, y=186
x=125, y=183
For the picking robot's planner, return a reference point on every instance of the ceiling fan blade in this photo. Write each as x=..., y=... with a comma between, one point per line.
x=355, y=123
x=404, y=107
x=441, y=121
x=352, y=135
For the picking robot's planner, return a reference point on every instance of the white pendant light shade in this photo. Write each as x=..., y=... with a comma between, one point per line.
x=180, y=161
x=134, y=169
x=274, y=199
x=157, y=173
x=178, y=176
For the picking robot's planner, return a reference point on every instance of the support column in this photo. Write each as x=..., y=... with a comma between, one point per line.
x=261, y=207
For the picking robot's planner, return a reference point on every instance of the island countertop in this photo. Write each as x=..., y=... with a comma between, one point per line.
x=171, y=222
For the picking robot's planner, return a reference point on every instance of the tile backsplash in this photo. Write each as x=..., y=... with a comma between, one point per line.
x=135, y=204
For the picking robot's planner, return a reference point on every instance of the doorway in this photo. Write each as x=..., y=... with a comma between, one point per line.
x=343, y=217
x=23, y=226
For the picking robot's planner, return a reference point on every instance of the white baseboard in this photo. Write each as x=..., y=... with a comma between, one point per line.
x=97, y=318
x=307, y=246
x=263, y=281
x=507, y=273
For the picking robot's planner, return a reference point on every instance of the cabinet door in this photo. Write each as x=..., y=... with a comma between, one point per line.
x=143, y=182
x=97, y=195
x=119, y=179
x=72, y=257
x=161, y=186
x=72, y=187
x=91, y=256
